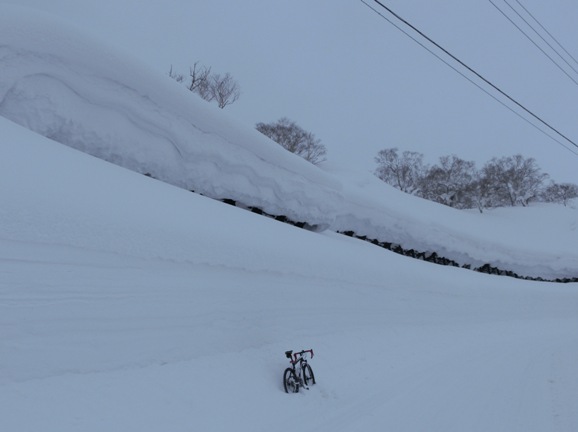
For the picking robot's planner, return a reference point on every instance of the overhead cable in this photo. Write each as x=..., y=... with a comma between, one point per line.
x=534, y=42
x=398, y=17
x=547, y=32
x=540, y=36
x=469, y=79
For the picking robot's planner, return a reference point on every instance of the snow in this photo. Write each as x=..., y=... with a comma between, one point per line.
x=77, y=91
x=65, y=86
x=127, y=303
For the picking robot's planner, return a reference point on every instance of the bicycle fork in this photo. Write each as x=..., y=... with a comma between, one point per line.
x=301, y=377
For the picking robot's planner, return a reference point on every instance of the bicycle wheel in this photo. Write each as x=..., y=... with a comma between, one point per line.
x=290, y=381
x=308, y=377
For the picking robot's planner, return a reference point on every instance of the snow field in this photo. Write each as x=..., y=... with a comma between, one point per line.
x=119, y=343
x=80, y=92
x=129, y=304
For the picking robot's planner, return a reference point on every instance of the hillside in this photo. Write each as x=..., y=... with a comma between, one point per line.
x=128, y=303
x=79, y=92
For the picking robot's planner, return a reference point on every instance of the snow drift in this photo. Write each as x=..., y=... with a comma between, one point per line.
x=79, y=92
x=121, y=308
x=128, y=304
x=67, y=87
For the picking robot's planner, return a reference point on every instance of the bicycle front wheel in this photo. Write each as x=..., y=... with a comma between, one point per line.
x=290, y=381
x=308, y=377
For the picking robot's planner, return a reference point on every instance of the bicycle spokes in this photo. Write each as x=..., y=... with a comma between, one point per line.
x=300, y=373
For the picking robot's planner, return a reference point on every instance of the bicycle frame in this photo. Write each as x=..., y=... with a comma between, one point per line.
x=296, y=377
x=299, y=358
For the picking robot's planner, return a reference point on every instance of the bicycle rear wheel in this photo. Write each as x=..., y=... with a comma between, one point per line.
x=290, y=381
x=308, y=377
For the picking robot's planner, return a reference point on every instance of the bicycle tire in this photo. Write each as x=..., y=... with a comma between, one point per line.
x=290, y=381
x=308, y=376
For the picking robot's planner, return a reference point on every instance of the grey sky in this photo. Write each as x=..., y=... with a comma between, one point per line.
x=356, y=82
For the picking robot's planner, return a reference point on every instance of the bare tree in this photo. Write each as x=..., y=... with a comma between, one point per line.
x=199, y=78
x=177, y=77
x=404, y=172
x=561, y=193
x=507, y=181
x=224, y=90
x=517, y=180
x=211, y=87
x=450, y=182
x=293, y=138
x=481, y=192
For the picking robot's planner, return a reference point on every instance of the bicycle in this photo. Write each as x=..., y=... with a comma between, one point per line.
x=296, y=377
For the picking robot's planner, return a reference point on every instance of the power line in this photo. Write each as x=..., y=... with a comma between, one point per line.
x=547, y=32
x=469, y=79
x=533, y=42
x=540, y=36
x=472, y=71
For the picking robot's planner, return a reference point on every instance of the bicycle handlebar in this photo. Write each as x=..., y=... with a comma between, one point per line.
x=301, y=354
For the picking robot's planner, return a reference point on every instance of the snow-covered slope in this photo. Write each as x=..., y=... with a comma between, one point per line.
x=130, y=304
x=537, y=241
x=76, y=91
x=67, y=87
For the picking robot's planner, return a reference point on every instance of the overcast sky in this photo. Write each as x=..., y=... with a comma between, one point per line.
x=359, y=84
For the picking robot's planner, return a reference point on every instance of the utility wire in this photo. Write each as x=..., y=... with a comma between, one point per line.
x=533, y=42
x=540, y=36
x=468, y=78
x=474, y=72
x=547, y=32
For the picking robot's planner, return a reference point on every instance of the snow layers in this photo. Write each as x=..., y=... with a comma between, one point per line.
x=70, y=89
x=122, y=308
x=79, y=92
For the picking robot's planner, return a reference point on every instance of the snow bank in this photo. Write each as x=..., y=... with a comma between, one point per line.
x=122, y=309
x=61, y=84
x=536, y=241
x=79, y=92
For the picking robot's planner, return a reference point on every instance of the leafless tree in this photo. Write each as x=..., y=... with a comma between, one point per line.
x=199, y=77
x=405, y=171
x=561, y=193
x=481, y=192
x=211, y=87
x=224, y=90
x=516, y=179
x=450, y=182
x=293, y=138
x=507, y=181
x=177, y=77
